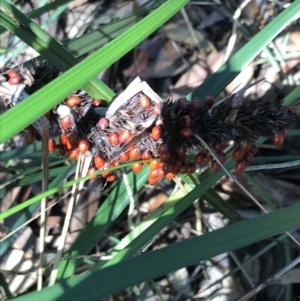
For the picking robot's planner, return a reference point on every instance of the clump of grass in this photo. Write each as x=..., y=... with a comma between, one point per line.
x=124, y=269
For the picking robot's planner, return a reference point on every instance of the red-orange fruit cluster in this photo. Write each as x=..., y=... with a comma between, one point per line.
x=243, y=155
x=111, y=140
x=156, y=172
x=14, y=78
x=167, y=133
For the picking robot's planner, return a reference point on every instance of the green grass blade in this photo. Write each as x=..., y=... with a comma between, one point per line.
x=21, y=152
x=293, y=97
x=35, y=177
x=98, y=284
x=222, y=206
x=46, y=8
x=41, y=10
x=5, y=287
x=100, y=36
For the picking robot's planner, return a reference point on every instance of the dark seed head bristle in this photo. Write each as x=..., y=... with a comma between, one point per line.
x=172, y=131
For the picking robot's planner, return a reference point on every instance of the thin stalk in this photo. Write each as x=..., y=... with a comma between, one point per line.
x=81, y=170
x=45, y=170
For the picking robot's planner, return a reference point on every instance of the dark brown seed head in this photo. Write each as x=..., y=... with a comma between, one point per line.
x=178, y=163
x=29, y=137
x=208, y=157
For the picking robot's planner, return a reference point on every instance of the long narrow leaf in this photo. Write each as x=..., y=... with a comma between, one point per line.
x=98, y=284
